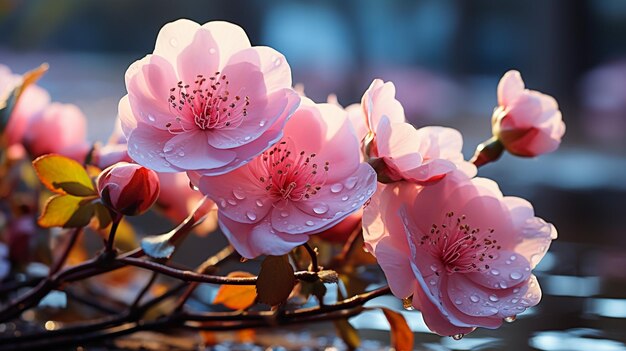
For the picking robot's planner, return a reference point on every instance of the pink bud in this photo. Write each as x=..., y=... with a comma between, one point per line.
x=128, y=188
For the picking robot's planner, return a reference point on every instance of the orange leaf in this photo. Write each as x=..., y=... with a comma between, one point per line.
x=401, y=335
x=236, y=297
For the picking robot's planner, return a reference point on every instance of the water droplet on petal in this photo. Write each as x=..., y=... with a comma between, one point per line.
x=516, y=290
x=513, y=258
x=222, y=203
x=259, y=203
x=320, y=208
x=251, y=215
x=495, y=272
x=515, y=300
x=503, y=285
x=434, y=268
x=345, y=198
x=407, y=303
x=432, y=282
x=351, y=182
x=510, y=319
x=277, y=62
x=173, y=42
x=212, y=51
x=232, y=202
x=247, y=138
x=262, y=123
x=168, y=148
x=458, y=302
x=181, y=153
x=507, y=262
x=335, y=188
x=474, y=298
x=493, y=298
x=238, y=194
x=310, y=223
x=151, y=118
x=458, y=336
x=515, y=275
x=284, y=214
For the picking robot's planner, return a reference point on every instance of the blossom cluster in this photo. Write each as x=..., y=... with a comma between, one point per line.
x=209, y=109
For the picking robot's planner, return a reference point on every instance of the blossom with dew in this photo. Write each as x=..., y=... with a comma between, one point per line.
x=205, y=100
x=528, y=123
x=128, y=188
x=309, y=181
x=460, y=249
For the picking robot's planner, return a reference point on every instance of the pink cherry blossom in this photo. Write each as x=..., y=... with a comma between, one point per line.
x=33, y=100
x=461, y=249
x=59, y=128
x=308, y=182
x=527, y=122
x=205, y=100
x=398, y=151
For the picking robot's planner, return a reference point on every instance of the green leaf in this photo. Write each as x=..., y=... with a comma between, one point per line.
x=66, y=211
x=7, y=106
x=402, y=336
x=103, y=214
x=276, y=280
x=63, y=175
x=347, y=333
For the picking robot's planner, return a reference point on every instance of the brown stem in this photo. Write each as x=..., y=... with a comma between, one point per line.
x=314, y=266
x=116, y=222
x=143, y=291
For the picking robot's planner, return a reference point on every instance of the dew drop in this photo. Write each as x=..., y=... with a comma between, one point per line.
x=515, y=300
x=277, y=62
x=407, y=303
x=238, y=194
x=222, y=203
x=503, y=285
x=284, y=214
x=310, y=223
x=259, y=203
x=247, y=138
x=474, y=298
x=515, y=275
x=507, y=262
x=513, y=258
x=351, y=182
x=335, y=188
x=432, y=282
x=493, y=298
x=495, y=272
x=510, y=319
x=433, y=267
x=168, y=148
x=458, y=337
x=262, y=123
x=232, y=202
x=212, y=51
x=173, y=42
x=181, y=153
x=320, y=208
x=516, y=290
x=251, y=215
x=458, y=302
x=345, y=198
x=151, y=118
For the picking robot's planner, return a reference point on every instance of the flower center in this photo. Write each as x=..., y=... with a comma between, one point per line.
x=460, y=248
x=288, y=175
x=208, y=103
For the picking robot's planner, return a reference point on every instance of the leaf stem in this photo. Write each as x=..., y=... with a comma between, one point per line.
x=314, y=266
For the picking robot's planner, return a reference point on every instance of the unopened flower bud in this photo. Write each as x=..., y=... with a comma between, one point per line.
x=128, y=188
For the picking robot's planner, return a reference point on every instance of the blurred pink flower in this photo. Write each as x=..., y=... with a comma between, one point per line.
x=398, y=151
x=60, y=129
x=462, y=250
x=527, y=122
x=308, y=182
x=177, y=199
x=205, y=100
x=33, y=100
x=128, y=188
x=114, y=151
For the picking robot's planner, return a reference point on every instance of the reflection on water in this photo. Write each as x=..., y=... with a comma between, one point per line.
x=574, y=340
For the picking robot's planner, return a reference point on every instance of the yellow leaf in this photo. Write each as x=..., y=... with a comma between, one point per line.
x=236, y=297
x=347, y=333
x=8, y=103
x=63, y=175
x=65, y=211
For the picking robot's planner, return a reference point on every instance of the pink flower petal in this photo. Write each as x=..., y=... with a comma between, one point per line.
x=145, y=146
x=434, y=318
x=395, y=260
x=191, y=151
x=252, y=240
x=507, y=270
x=196, y=58
x=510, y=87
x=273, y=65
x=228, y=37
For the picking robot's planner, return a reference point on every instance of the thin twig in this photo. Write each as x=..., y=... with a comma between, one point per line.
x=66, y=252
x=314, y=266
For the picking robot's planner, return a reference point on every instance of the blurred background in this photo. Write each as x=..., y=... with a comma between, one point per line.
x=445, y=58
